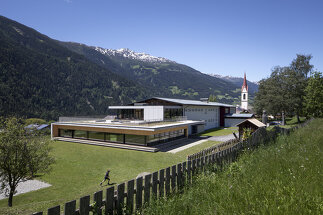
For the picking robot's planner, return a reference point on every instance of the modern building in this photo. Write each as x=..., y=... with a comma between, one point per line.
x=147, y=123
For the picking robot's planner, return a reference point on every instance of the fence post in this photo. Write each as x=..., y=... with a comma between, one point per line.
x=167, y=182
x=98, y=201
x=54, y=210
x=154, y=184
x=198, y=165
x=85, y=205
x=70, y=208
x=139, y=193
x=120, y=198
x=130, y=193
x=189, y=172
x=109, y=201
x=147, y=189
x=179, y=177
x=161, y=182
x=174, y=178
x=184, y=174
x=193, y=168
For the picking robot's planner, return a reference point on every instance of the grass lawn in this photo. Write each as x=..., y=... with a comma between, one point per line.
x=219, y=131
x=79, y=168
x=284, y=177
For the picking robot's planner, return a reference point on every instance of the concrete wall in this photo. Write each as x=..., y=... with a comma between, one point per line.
x=211, y=115
x=152, y=113
x=232, y=122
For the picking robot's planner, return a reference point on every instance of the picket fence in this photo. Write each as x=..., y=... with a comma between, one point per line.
x=129, y=197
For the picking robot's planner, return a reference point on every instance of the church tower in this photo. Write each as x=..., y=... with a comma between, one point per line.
x=244, y=94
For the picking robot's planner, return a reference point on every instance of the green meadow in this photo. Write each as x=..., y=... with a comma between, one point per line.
x=80, y=168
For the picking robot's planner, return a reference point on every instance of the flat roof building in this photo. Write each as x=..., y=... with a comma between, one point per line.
x=146, y=123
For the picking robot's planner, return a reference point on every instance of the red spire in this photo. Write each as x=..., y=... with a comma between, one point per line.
x=244, y=85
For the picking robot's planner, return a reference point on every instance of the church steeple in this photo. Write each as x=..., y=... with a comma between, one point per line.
x=244, y=85
x=244, y=94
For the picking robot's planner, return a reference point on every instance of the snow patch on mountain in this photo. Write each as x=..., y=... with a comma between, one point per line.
x=230, y=78
x=127, y=53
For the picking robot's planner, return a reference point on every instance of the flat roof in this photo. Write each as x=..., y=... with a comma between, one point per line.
x=237, y=115
x=131, y=126
x=190, y=102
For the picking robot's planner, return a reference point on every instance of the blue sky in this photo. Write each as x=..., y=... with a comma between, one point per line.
x=227, y=37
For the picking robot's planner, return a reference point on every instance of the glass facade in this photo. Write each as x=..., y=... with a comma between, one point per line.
x=93, y=135
x=135, y=139
x=118, y=138
x=131, y=114
x=143, y=140
x=172, y=112
x=80, y=134
x=66, y=133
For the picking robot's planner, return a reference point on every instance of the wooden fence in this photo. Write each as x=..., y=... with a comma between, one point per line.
x=126, y=198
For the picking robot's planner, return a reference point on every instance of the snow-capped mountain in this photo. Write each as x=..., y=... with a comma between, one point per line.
x=127, y=53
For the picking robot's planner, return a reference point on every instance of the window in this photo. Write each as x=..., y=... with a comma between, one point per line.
x=96, y=135
x=135, y=139
x=244, y=96
x=65, y=133
x=119, y=138
x=80, y=134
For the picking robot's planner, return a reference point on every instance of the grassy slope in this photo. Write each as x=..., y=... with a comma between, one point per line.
x=282, y=178
x=80, y=168
x=219, y=131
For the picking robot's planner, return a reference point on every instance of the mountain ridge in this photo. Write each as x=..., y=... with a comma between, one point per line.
x=180, y=80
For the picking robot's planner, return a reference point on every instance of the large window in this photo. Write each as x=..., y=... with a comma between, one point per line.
x=80, y=134
x=65, y=133
x=135, y=139
x=172, y=112
x=119, y=138
x=137, y=114
x=96, y=135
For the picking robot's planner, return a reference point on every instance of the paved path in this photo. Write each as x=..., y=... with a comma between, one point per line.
x=27, y=186
x=222, y=138
x=182, y=144
x=181, y=148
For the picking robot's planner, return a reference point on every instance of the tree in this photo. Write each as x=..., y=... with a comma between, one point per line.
x=271, y=95
x=297, y=81
x=22, y=154
x=313, y=99
x=284, y=90
x=212, y=98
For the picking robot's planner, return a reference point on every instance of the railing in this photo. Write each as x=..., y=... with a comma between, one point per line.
x=129, y=197
x=81, y=118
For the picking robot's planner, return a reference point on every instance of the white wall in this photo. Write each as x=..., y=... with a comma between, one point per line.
x=153, y=113
x=211, y=115
x=232, y=122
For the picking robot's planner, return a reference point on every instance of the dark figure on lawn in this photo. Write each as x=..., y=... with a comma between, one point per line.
x=106, y=177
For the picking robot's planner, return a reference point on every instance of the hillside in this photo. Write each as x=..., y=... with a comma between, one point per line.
x=40, y=78
x=178, y=80
x=282, y=177
x=238, y=81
